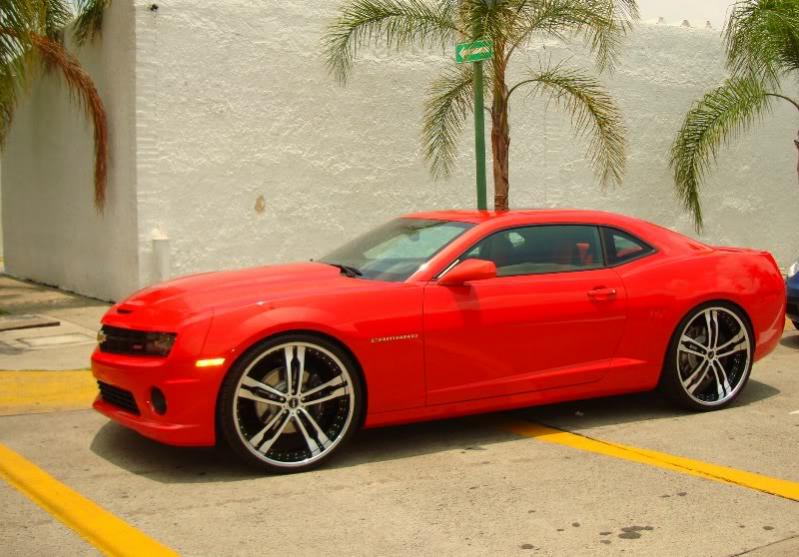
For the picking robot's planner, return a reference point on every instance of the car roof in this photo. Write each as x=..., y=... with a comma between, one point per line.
x=528, y=216
x=652, y=233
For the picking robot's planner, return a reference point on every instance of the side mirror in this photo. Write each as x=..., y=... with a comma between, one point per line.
x=469, y=270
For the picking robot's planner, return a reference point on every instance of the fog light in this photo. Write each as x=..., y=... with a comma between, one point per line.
x=158, y=401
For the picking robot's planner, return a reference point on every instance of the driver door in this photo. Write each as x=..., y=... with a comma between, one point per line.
x=553, y=317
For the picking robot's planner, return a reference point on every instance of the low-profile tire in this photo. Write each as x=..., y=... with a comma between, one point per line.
x=283, y=421
x=709, y=359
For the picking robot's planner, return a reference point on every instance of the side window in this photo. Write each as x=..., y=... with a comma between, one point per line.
x=541, y=249
x=622, y=247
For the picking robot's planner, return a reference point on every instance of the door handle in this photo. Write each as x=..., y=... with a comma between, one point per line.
x=602, y=293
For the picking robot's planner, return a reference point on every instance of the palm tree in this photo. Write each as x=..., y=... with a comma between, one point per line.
x=31, y=41
x=762, y=47
x=511, y=25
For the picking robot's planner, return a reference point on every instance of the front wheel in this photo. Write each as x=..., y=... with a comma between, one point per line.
x=290, y=403
x=709, y=358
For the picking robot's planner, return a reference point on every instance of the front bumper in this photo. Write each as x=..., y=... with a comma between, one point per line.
x=190, y=395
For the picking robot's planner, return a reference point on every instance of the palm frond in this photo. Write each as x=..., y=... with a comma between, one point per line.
x=9, y=92
x=57, y=15
x=13, y=81
x=605, y=41
x=762, y=37
x=602, y=23
x=89, y=22
x=449, y=102
x=394, y=23
x=715, y=120
x=593, y=112
x=548, y=17
x=481, y=18
x=17, y=17
x=81, y=86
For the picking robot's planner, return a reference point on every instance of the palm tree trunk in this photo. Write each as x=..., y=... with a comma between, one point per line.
x=500, y=131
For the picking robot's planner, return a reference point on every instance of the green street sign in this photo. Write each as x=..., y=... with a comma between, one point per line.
x=474, y=52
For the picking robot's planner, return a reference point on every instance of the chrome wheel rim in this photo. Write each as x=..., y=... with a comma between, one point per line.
x=713, y=356
x=293, y=404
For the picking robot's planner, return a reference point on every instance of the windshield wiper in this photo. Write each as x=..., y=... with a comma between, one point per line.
x=347, y=269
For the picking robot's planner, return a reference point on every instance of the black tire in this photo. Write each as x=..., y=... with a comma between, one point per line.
x=304, y=433
x=704, y=374
x=795, y=324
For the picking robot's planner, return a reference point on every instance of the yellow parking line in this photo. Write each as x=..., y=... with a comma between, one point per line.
x=109, y=534
x=774, y=486
x=23, y=392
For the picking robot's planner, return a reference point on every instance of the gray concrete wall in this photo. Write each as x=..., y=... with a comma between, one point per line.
x=52, y=233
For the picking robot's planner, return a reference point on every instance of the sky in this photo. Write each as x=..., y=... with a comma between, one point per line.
x=695, y=11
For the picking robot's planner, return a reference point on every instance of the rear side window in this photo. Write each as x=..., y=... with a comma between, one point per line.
x=622, y=247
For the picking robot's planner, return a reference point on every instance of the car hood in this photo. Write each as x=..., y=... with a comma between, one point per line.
x=174, y=301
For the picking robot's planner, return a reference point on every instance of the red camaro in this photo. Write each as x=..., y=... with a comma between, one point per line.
x=435, y=315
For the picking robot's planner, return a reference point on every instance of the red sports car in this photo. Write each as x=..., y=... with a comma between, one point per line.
x=435, y=315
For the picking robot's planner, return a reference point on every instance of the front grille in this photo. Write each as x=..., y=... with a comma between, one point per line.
x=122, y=341
x=116, y=340
x=118, y=397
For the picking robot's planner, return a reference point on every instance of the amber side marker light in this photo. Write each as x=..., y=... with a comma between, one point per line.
x=213, y=362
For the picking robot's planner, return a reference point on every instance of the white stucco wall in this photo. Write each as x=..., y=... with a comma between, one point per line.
x=52, y=233
x=749, y=200
x=676, y=11
x=234, y=102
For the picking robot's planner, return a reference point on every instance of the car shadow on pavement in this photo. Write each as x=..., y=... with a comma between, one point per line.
x=638, y=407
x=141, y=456
x=128, y=450
x=790, y=341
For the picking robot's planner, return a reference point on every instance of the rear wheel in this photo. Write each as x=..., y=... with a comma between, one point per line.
x=290, y=403
x=709, y=359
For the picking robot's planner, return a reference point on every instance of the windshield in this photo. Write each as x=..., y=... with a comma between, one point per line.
x=396, y=250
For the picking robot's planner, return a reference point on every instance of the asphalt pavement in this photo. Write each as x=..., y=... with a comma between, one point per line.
x=624, y=475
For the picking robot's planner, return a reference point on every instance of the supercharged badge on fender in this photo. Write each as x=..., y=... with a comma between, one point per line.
x=394, y=338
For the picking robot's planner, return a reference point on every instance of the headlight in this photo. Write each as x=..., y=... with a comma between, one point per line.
x=117, y=340
x=793, y=270
x=159, y=344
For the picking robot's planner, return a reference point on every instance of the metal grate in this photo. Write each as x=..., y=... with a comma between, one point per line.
x=118, y=397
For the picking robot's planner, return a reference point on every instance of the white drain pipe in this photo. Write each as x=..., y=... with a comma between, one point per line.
x=161, y=264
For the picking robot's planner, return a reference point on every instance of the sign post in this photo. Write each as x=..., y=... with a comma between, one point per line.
x=474, y=53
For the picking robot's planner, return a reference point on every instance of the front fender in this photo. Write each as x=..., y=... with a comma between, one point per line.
x=393, y=370
x=234, y=332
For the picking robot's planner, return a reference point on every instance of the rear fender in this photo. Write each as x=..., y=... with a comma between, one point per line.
x=753, y=280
